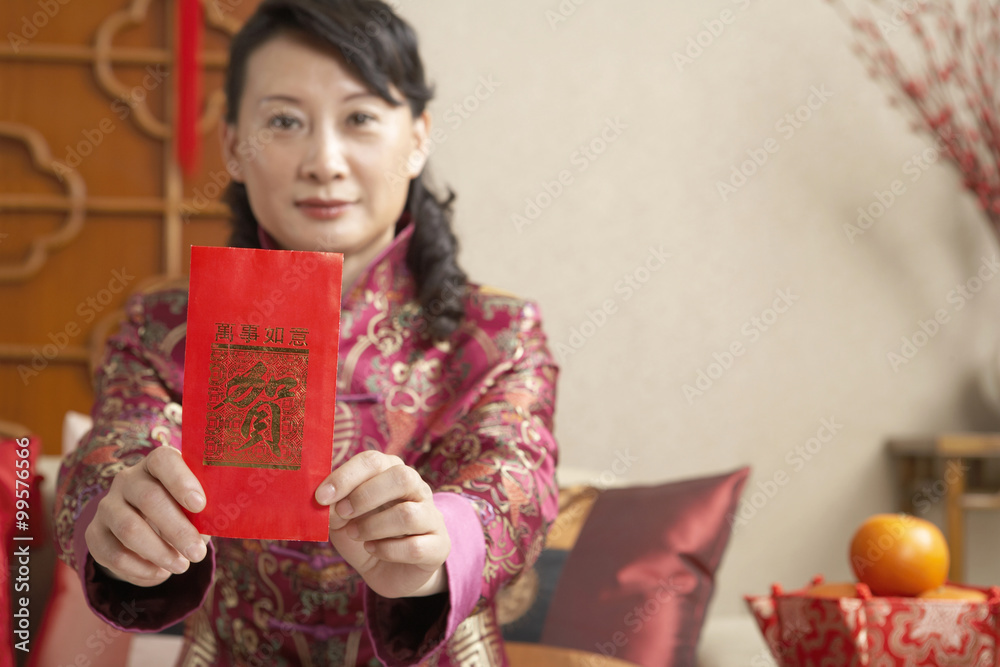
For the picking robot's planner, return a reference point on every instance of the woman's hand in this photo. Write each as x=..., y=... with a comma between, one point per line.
x=139, y=533
x=385, y=524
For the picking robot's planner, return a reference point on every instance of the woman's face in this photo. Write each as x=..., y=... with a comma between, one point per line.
x=326, y=162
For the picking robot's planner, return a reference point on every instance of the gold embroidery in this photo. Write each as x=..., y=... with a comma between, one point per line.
x=485, y=342
x=489, y=290
x=476, y=642
x=431, y=660
x=201, y=647
x=346, y=374
x=346, y=428
x=302, y=646
x=174, y=336
x=267, y=565
x=353, y=644
x=263, y=390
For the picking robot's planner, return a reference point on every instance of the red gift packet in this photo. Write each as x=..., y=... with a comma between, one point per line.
x=260, y=382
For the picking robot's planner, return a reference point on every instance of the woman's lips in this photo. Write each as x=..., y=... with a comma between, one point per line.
x=320, y=209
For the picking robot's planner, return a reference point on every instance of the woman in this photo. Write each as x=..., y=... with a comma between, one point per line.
x=443, y=483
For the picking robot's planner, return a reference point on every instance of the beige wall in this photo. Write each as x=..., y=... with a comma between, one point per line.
x=656, y=186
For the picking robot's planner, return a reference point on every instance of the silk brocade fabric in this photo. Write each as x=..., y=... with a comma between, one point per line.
x=473, y=416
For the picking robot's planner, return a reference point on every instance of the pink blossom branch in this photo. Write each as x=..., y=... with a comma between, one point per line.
x=950, y=88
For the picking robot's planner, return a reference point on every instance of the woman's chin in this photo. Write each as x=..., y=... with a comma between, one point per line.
x=318, y=236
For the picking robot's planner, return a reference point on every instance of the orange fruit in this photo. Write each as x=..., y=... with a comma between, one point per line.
x=844, y=590
x=899, y=555
x=947, y=592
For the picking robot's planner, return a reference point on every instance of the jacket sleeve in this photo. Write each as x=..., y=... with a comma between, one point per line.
x=137, y=408
x=492, y=466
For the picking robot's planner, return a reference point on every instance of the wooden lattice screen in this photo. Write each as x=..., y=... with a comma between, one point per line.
x=92, y=202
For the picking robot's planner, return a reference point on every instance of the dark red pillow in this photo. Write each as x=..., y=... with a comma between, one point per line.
x=638, y=581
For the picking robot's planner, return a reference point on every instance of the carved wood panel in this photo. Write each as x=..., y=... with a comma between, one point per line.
x=92, y=202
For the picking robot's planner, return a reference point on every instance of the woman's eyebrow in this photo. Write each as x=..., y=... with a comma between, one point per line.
x=278, y=98
x=295, y=100
x=363, y=93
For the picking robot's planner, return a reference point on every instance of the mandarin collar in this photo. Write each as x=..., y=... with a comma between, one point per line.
x=386, y=263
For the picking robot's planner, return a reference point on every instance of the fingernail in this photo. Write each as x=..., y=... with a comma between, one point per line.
x=179, y=566
x=370, y=547
x=196, y=552
x=195, y=501
x=345, y=508
x=325, y=494
x=352, y=531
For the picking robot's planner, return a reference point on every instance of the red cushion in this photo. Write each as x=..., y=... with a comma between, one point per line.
x=72, y=634
x=638, y=581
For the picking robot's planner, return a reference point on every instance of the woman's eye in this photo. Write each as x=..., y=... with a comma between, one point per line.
x=282, y=122
x=361, y=118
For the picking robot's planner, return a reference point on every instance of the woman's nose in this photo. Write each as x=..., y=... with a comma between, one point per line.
x=325, y=161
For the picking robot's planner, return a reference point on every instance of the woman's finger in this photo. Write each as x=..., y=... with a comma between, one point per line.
x=396, y=483
x=429, y=550
x=161, y=511
x=135, y=534
x=167, y=465
x=111, y=554
x=340, y=486
x=355, y=471
x=400, y=520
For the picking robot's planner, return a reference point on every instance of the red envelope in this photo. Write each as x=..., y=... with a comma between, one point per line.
x=260, y=383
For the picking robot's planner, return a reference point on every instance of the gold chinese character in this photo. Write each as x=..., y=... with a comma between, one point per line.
x=223, y=331
x=299, y=337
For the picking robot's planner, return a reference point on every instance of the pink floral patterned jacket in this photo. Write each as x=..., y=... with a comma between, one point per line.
x=473, y=416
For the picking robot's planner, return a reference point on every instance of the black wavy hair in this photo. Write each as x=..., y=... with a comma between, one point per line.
x=382, y=49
